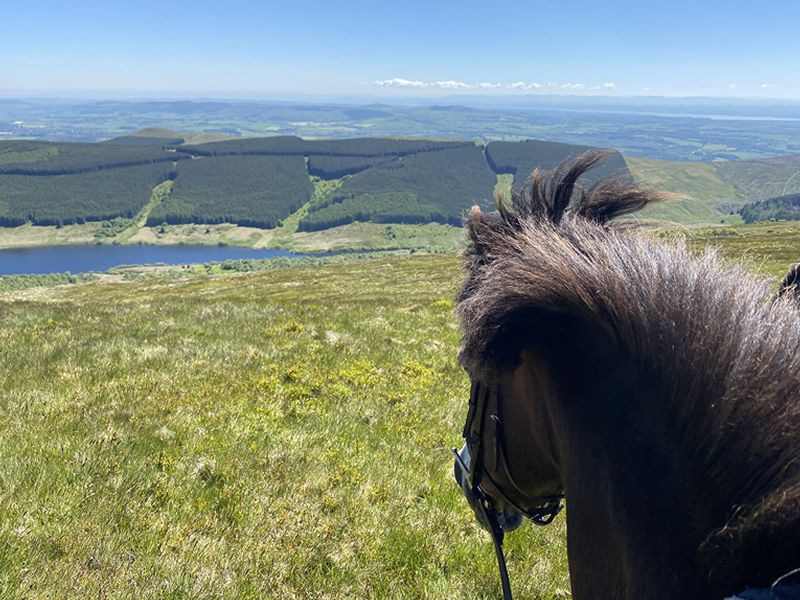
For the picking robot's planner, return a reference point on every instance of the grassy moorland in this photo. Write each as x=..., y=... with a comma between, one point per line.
x=767, y=248
x=277, y=434
x=281, y=434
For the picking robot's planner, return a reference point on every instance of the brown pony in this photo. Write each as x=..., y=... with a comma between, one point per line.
x=660, y=393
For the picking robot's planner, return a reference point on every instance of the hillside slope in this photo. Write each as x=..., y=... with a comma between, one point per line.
x=257, y=181
x=701, y=196
x=763, y=178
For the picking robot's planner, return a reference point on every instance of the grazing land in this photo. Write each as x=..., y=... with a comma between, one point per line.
x=699, y=194
x=767, y=248
x=275, y=434
x=764, y=178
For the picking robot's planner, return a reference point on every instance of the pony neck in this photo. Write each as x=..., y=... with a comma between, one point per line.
x=644, y=509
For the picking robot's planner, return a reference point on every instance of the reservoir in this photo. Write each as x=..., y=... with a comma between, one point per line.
x=81, y=259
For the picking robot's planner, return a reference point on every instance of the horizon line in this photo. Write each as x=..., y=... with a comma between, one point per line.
x=265, y=96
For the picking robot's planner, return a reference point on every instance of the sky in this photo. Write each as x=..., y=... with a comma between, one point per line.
x=400, y=48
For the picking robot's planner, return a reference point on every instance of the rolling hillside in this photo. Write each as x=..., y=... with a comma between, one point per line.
x=763, y=178
x=520, y=158
x=259, y=182
x=700, y=195
x=710, y=192
x=431, y=187
x=329, y=183
x=781, y=208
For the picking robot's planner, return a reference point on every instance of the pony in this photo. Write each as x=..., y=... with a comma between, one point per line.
x=658, y=392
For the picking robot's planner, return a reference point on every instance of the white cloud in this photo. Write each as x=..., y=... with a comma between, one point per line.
x=732, y=86
x=450, y=84
x=398, y=82
x=453, y=85
x=521, y=85
x=765, y=86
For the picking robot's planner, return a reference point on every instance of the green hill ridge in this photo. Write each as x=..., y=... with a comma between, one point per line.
x=259, y=182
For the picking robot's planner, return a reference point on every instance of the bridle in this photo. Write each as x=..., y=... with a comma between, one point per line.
x=545, y=508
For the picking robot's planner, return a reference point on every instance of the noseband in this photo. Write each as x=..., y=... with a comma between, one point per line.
x=542, y=513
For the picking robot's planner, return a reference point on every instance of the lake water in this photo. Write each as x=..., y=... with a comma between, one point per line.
x=80, y=259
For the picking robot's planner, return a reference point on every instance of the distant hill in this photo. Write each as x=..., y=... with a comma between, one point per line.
x=150, y=136
x=261, y=181
x=763, y=178
x=700, y=194
x=520, y=158
x=710, y=192
x=156, y=136
x=434, y=186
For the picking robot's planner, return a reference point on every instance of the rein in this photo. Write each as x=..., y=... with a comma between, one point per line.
x=542, y=514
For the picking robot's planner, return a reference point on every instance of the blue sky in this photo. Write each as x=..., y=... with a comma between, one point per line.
x=230, y=47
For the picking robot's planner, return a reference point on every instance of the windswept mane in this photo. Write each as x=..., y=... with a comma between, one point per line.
x=722, y=351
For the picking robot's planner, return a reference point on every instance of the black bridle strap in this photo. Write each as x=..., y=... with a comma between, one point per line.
x=490, y=516
x=497, y=539
x=551, y=505
x=541, y=515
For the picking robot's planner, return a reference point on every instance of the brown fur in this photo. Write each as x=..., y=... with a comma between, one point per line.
x=688, y=359
x=790, y=286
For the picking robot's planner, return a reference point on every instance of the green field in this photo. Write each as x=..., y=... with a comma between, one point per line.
x=767, y=248
x=278, y=434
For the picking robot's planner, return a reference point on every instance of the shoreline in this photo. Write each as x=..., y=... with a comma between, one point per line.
x=353, y=237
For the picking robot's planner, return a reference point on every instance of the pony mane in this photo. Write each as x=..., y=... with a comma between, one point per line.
x=724, y=351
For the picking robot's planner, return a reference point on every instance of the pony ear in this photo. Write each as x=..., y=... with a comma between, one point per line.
x=484, y=229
